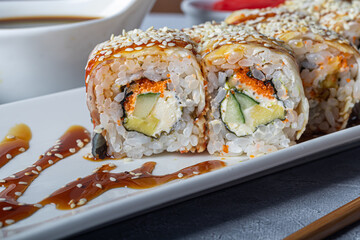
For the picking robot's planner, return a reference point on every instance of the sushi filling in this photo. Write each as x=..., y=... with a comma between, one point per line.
x=151, y=108
x=249, y=103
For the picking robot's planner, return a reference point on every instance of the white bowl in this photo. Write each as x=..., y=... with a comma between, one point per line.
x=41, y=60
x=200, y=11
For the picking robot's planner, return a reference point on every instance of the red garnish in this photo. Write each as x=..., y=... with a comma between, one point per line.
x=232, y=5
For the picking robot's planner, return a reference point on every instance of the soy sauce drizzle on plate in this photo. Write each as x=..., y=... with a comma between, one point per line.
x=15, y=142
x=15, y=185
x=79, y=192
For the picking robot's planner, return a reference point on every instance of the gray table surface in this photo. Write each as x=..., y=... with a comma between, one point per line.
x=269, y=207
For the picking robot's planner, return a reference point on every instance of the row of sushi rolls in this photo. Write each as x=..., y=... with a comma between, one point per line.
x=261, y=81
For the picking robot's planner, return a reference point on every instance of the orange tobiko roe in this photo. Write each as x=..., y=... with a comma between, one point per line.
x=144, y=86
x=233, y=5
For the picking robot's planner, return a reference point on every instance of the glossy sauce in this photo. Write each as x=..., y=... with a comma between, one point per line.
x=82, y=190
x=15, y=142
x=75, y=138
x=39, y=21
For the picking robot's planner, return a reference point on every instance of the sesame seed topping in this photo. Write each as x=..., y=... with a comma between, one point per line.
x=2, y=181
x=12, y=176
x=72, y=205
x=79, y=185
x=72, y=150
x=129, y=49
x=18, y=194
x=7, y=208
x=48, y=153
x=112, y=179
x=27, y=173
x=58, y=155
x=10, y=136
x=180, y=175
x=35, y=172
x=80, y=144
x=56, y=146
x=38, y=205
x=138, y=48
x=82, y=201
x=22, y=149
x=171, y=44
x=8, y=156
x=50, y=161
x=23, y=183
x=2, y=199
x=38, y=168
x=86, y=140
x=195, y=172
x=9, y=221
x=98, y=185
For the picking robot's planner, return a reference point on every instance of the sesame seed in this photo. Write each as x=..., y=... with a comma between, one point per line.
x=195, y=173
x=150, y=44
x=18, y=194
x=72, y=205
x=23, y=183
x=50, y=161
x=82, y=201
x=171, y=44
x=56, y=146
x=58, y=155
x=117, y=55
x=38, y=205
x=132, y=173
x=38, y=168
x=72, y=150
x=27, y=173
x=98, y=185
x=135, y=177
x=127, y=159
x=138, y=48
x=79, y=185
x=12, y=176
x=21, y=204
x=10, y=136
x=71, y=201
x=129, y=49
x=22, y=149
x=138, y=174
x=35, y=172
x=2, y=199
x=7, y=208
x=2, y=181
x=111, y=165
x=80, y=144
x=180, y=175
x=112, y=179
x=9, y=221
x=86, y=140
x=8, y=156
x=48, y=153
x=189, y=46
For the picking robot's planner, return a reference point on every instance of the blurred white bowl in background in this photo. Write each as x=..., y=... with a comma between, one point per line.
x=40, y=60
x=200, y=11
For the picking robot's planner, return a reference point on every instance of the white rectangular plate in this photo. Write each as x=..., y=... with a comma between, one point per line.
x=50, y=116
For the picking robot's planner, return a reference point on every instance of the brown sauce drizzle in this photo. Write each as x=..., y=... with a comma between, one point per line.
x=14, y=143
x=82, y=190
x=11, y=211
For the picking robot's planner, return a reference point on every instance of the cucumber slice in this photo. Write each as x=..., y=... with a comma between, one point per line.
x=233, y=113
x=146, y=126
x=144, y=104
x=245, y=101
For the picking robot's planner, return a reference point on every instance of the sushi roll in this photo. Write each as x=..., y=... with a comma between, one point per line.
x=340, y=16
x=329, y=64
x=256, y=99
x=146, y=95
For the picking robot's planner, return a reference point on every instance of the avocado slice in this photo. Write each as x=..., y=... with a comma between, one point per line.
x=262, y=115
x=146, y=126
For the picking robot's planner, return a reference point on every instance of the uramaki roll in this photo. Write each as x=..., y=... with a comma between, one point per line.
x=146, y=95
x=329, y=63
x=256, y=99
x=340, y=16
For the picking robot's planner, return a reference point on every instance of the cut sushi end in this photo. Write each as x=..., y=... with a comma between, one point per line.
x=151, y=109
x=241, y=113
